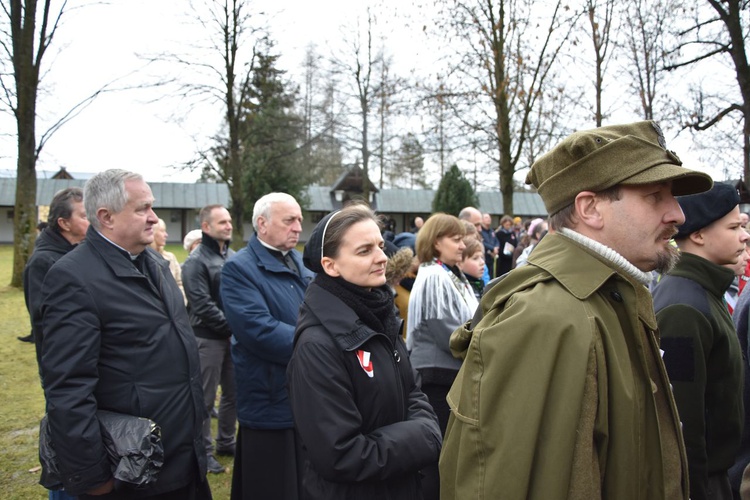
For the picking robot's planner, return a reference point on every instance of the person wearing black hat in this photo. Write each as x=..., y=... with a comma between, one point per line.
x=562, y=392
x=364, y=427
x=701, y=350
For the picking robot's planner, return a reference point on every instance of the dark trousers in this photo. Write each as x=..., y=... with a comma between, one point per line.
x=718, y=487
x=265, y=465
x=436, y=393
x=217, y=369
x=196, y=490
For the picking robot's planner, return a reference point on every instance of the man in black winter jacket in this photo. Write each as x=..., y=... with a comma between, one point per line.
x=117, y=337
x=702, y=353
x=201, y=275
x=67, y=225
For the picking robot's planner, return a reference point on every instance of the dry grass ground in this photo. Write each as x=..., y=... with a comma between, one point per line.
x=23, y=401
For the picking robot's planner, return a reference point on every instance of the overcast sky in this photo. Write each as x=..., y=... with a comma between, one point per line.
x=99, y=43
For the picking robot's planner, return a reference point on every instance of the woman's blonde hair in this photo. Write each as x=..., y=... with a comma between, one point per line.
x=160, y=224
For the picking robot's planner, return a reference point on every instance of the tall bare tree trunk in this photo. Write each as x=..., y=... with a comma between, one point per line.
x=24, y=212
x=26, y=74
x=732, y=18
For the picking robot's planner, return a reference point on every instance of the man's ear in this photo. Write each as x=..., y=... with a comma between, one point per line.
x=329, y=266
x=63, y=224
x=105, y=218
x=588, y=209
x=261, y=225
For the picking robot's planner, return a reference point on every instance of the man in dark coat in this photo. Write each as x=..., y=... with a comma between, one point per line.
x=262, y=287
x=491, y=244
x=117, y=337
x=507, y=242
x=201, y=275
x=701, y=350
x=67, y=225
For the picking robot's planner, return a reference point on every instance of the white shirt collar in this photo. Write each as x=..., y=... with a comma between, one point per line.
x=132, y=256
x=283, y=252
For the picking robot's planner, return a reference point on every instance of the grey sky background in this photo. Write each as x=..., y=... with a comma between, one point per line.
x=141, y=130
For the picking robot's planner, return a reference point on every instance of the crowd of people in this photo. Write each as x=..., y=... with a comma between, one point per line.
x=599, y=353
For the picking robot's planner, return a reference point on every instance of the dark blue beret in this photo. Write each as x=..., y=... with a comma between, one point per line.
x=704, y=208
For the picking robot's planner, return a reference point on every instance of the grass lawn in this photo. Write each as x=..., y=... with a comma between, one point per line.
x=23, y=401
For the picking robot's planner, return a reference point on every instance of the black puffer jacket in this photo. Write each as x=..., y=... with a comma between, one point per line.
x=201, y=277
x=364, y=427
x=50, y=245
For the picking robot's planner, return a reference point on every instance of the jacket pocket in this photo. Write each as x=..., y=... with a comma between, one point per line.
x=463, y=396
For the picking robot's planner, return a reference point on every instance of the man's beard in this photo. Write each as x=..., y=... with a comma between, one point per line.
x=667, y=259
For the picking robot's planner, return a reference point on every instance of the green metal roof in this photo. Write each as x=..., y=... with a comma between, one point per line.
x=419, y=201
x=195, y=196
x=166, y=194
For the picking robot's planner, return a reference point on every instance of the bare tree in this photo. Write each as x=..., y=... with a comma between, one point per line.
x=601, y=15
x=440, y=129
x=505, y=66
x=25, y=43
x=221, y=73
x=717, y=31
x=321, y=116
x=310, y=77
x=24, y=46
x=408, y=171
x=357, y=66
x=386, y=90
x=647, y=24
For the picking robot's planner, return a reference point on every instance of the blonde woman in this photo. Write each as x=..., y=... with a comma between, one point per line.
x=441, y=300
x=160, y=240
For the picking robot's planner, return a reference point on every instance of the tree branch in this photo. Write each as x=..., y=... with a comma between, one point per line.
x=721, y=49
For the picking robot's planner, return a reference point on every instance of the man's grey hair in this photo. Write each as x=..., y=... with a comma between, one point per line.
x=465, y=213
x=262, y=207
x=107, y=190
x=61, y=206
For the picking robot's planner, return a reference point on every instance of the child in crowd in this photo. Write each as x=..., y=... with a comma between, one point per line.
x=473, y=264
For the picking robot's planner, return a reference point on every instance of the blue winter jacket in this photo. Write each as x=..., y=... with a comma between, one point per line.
x=261, y=298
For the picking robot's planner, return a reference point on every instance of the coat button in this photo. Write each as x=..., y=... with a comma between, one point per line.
x=616, y=296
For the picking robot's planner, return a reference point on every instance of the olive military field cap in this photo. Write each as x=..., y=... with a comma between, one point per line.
x=597, y=159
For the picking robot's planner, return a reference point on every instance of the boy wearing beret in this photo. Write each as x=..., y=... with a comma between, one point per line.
x=701, y=350
x=562, y=392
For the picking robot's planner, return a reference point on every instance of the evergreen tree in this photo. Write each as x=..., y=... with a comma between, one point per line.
x=454, y=193
x=270, y=135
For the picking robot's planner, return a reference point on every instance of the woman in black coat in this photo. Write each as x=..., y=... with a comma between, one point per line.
x=365, y=429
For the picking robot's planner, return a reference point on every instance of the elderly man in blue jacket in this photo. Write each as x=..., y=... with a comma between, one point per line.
x=262, y=287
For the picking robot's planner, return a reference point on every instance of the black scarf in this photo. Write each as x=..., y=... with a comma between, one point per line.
x=375, y=307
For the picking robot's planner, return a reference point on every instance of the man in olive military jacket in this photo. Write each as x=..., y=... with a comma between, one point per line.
x=562, y=392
